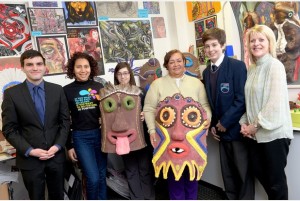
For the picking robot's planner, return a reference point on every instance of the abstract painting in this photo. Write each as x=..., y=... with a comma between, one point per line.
x=126, y=39
x=47, y=20
x=14, y=30
x=117, y=9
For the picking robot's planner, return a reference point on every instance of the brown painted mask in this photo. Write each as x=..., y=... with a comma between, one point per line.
x=191, y=65
x=149, y=72
x=181, y=137
x=122, y=129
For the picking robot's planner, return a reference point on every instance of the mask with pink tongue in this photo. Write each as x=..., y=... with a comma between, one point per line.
x=122, y=145
x=121, y=126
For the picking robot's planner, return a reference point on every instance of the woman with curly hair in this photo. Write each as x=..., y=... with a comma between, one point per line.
x=85, y=141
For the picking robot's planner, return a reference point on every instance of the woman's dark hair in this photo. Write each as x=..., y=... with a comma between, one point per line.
x=119, y=66
x=79, y=55
x=168, y=56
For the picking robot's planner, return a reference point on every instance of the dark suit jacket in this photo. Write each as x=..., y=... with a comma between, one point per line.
x=22, y=126
x=229, y=105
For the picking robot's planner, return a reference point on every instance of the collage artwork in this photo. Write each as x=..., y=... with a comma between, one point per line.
x=58, y=30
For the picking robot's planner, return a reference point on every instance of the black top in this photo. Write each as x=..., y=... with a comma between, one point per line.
x=83, y=101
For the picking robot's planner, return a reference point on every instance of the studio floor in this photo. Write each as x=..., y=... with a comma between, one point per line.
x=206, y=192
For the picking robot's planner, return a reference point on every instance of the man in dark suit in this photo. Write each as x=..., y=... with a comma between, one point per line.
x=36, y=122
x=224, y=80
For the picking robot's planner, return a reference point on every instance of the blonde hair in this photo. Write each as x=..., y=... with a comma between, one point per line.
x=266, y=31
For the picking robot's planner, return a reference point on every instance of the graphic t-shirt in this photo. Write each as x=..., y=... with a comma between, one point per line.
x=83, y=100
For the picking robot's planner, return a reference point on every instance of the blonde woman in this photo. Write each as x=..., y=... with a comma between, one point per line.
x=267, y=119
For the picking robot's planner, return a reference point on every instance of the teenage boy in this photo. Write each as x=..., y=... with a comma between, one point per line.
x=224, y=80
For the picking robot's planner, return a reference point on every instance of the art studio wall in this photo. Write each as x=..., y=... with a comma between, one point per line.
x=156, y=28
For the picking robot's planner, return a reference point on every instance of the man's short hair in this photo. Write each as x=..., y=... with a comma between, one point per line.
x=214, y=34
x=28, y=54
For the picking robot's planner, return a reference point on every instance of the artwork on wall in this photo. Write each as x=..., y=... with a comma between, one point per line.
x=80, y=13
x=198, y=10
x=86, y=40
x=44, y=4
x=283, y=19
x=47, y=20
x=10, y=74
x=158, y=26
x=152, y=6
x=14, y=30
x=54, y=49
x=201, y=26
x=117, y=9
x=126, y=39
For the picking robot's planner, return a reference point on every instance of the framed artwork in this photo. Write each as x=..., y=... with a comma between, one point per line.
x=117, y=9
x=158, y=27
x=133, y=40
x=286, y=27
x=152, y=6
x=15, y=32
x=86, y=40
x=80, y=13
x=44, y=4
x=47, y=20
x=200, y=27
x=54, y=49
x=198, y=10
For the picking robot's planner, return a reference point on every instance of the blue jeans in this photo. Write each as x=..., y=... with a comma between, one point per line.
x=87, y=145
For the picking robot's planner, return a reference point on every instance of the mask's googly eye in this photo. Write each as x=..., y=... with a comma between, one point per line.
x=109, y=105
x=191, y=117
x=167, y=116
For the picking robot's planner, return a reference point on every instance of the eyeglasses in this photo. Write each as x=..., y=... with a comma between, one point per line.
x=125, y=74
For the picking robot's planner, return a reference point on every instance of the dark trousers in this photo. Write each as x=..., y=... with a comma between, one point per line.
x=93, y=161
x=235, y=166
x=183, y=189
x=268, y=163
x=50, y=172
x=140, y=174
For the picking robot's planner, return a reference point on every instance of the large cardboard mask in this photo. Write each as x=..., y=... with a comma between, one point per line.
x=122, y=129
x=150, y=71
x=181, y=137
x=192, y=65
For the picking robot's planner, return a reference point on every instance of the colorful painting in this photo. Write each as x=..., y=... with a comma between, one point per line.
x=80, y=13
x=44, y=4
x=86, y=40
x=14, y=30
x=117, y=9
x=152, y=6
x=200, y=27
x=283, y=19
x=158, y=26
x=54, y=49
x=47, y=20
x=204, y=24
x=198, y=10
x=126, y=39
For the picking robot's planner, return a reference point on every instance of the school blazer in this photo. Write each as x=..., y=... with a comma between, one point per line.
x=230, y=96
x=23, y=128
